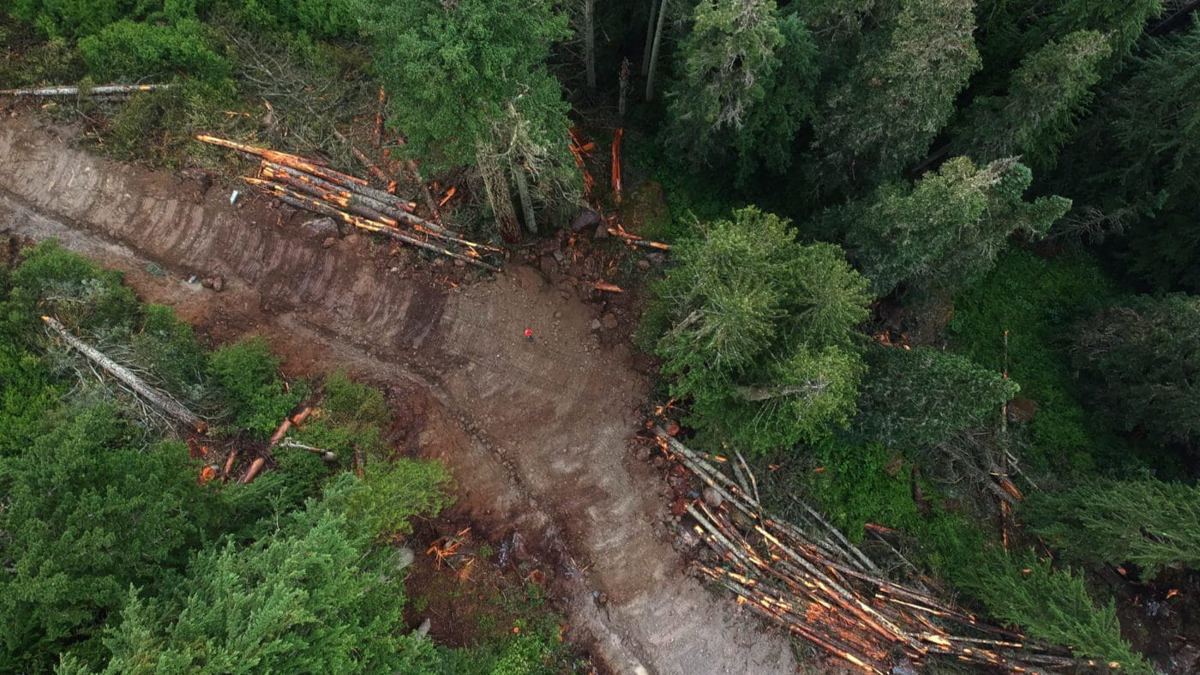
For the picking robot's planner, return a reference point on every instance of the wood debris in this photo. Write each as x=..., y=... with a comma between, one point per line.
x=173, y=409
x=103, y=90
x=815, y=584
x=303, y=184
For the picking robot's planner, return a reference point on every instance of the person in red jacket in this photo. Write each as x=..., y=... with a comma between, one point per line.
x=529, y=334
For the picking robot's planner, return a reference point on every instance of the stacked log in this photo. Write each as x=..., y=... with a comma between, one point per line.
x=303, y=184
x=818, y=586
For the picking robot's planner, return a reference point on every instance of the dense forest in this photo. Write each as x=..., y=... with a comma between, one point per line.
x=922, y=252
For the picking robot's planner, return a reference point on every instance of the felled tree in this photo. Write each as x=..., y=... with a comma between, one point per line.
x=1146, y=355
x=306, y=599
x=921, y=397
x=746, y=82
x=469, y=85
x=1036, y=116
x=759, y=332
x=85, y=516
x=899, y=94
x=1149, y=523
x=945, y=230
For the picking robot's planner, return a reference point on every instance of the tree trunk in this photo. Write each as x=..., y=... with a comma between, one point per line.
x=589, y=41
x=170, y=406
x=649, y=36
x=766, y=393
x=662, y=20
x=495, y=183
x=95, y=91
x=624, y=87
x=518, y=173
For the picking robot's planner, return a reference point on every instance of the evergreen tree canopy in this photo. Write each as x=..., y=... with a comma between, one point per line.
x=1145, y=357
x=298, y=601
x=85, y=516
x=921, y=397
x=945, y=230
x=457, y=69
x=762, y=331
x=1149, y=523
x=746, y=84
x=1037, y=115
x=899, y=94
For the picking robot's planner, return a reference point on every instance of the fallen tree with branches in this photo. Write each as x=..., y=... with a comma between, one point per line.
x=172, y=408
x=814, y=583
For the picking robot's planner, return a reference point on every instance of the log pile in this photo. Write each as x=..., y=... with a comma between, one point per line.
x=815, y=584
x=304, y=184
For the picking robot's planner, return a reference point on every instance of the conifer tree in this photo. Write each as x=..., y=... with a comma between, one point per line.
x=470, y=86
x=1149, y=523
x=899, y=94
x=1036, y=116
x=746, y=85
x=920, y=397
x=1145, y=357
x=945, y=230
x=760, y=331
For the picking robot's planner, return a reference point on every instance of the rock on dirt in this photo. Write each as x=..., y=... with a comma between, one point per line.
x=585, y=220
x=323, y=226
x=609, y=321
x=213, y=283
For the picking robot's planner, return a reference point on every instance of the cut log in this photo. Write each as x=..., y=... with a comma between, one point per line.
x=260, y=461
x=102, y=90
x=318, y=206
x=286, y=159
x=174, y=409
x=327, y=455
x=616, y=163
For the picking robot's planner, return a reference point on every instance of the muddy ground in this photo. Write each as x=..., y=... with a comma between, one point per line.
x=540, y=436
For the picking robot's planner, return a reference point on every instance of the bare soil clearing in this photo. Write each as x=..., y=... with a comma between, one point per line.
x=539, y=435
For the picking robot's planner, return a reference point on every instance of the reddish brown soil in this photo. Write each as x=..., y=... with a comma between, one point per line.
x=539, y=436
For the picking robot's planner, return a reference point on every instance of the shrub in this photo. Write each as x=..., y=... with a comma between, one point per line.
x=396, y=491
x=167, y=347
x=253, y=394
x=52, y=280
x=128, y=50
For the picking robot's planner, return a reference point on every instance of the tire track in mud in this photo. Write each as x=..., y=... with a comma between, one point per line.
x=538, y=435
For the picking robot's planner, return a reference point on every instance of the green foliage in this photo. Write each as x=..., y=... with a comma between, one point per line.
x=899, y=94
x=72, y=290
x=396, y=491
x=128, y=50
x=1036, y=301
x=923, y=396
x=760, y=331
x=157, y=126
x=85, y=517
x=460, y=66
x=1149, y=523
x=319, y=18
x=947, y=229
x=1136, y=164
x=1045, y=96
x=296, y=601
x=862, y=483
x=27, y=394
x=77, y=18
x=1143, y=357
x=168, y=349
x=747, y=84
x=253, y=394
x=1053, y=605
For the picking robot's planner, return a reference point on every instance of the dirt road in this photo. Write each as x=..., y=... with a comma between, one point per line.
x=538, y=435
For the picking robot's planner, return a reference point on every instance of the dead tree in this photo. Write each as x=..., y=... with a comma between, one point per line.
x=158, y=399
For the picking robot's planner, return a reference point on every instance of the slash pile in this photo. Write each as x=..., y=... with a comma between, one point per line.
x=304, y=184
x=822, y=588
